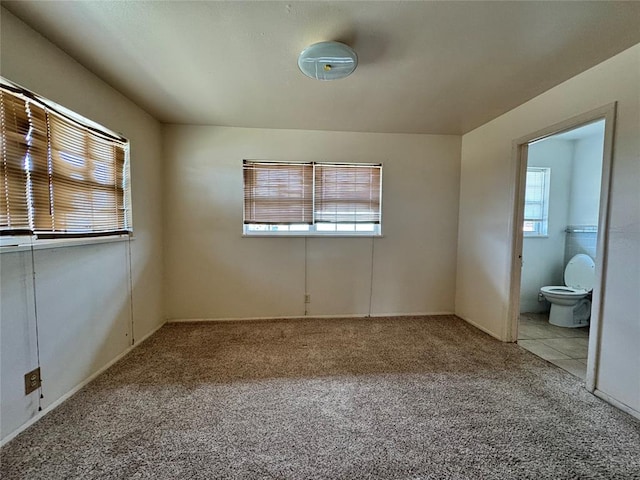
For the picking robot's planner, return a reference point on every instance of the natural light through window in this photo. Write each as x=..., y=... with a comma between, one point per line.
x=536, y=202
x=61, y=175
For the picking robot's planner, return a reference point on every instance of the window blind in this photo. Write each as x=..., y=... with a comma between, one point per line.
x=71, y=179
x=534, y=196
x=536, y=207
x=347, y=193
x=278, y=193
x=310, y=193
x=40, y=196
x=14, y=126
x=86, y=181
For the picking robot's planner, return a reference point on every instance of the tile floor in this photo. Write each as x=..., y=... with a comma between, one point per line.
x=564, y=347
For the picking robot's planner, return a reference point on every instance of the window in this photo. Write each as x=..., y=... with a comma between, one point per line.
x=312, y=198
x=536, y=202
x=60, y=174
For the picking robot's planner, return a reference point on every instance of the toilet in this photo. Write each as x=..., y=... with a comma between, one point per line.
x=569, y=306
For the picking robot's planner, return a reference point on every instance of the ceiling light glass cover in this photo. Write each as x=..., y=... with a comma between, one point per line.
x=328, y=61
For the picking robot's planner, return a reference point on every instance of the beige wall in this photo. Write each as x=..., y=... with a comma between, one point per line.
x=486, y=207
x=82, y=292
x=211, y=272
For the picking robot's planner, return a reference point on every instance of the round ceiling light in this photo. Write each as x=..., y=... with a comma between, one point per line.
x=328, y=61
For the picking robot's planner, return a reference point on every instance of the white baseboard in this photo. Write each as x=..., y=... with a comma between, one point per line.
x=622, y=406
x=75, y=389
x=480, y=327
x=304, y=317
x=416, y=314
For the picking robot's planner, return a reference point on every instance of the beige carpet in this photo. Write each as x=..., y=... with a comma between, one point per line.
x=384, y=398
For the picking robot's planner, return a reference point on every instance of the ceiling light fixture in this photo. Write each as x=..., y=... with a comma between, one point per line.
x=328, y=61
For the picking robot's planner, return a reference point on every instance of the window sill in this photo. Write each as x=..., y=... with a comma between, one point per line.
x=312, y=235
x=536, y=236
x=63, y=242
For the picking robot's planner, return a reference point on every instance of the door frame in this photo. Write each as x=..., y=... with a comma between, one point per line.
x=519, y=172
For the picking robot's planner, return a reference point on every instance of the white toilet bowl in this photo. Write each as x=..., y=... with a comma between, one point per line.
x=569, y=305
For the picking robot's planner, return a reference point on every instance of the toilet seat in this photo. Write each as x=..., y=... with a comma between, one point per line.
x=562, y=290
x=580, y=272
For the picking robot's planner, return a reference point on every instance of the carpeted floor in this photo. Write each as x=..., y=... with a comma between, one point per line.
x=387, y=398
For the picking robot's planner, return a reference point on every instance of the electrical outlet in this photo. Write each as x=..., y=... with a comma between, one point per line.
x=307, y=298
x=32, y=381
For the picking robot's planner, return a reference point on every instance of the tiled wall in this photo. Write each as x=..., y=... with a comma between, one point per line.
x=580, y=239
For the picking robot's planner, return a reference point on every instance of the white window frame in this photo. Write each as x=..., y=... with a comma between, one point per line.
x=538, y=226
x=298, y=230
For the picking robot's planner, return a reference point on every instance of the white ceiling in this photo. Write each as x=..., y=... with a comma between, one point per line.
x=580, y=133
x=424, y=67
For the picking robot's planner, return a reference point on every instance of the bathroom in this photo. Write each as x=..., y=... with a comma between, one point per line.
x=562, y=203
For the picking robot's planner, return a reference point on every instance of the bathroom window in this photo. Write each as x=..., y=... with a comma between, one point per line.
x=536, y=202
x=312, y=199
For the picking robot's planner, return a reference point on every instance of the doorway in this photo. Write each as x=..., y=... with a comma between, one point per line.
x=560, y=219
